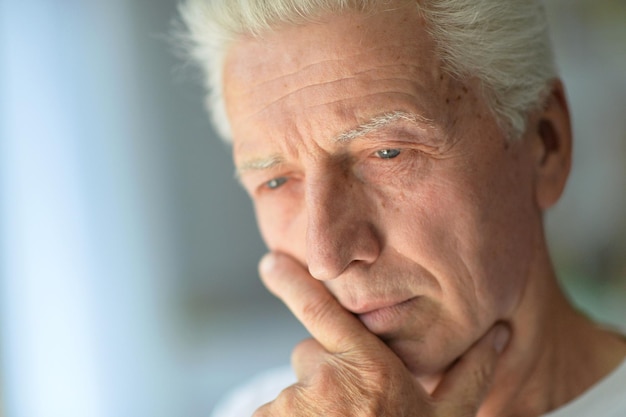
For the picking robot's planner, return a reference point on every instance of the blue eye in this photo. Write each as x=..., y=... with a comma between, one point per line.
x=388, y=153
x=275, y=183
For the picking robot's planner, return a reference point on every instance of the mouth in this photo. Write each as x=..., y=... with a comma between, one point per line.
x=387, y=318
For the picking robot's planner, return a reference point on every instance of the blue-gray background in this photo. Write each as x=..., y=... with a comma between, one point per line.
x=128, y=251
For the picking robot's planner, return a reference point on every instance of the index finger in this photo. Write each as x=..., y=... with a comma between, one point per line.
x=335, y=328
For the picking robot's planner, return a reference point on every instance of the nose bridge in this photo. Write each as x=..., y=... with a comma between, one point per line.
x=327, y=200
x=338, y=230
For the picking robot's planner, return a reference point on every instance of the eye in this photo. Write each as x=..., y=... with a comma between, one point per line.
x=388, y=153
x=274, y=183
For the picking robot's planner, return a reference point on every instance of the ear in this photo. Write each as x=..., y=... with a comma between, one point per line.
x=552, y=147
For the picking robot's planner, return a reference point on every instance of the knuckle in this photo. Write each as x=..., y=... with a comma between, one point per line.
x=367, y=371
x=349, y=392
x=299, y=352
x=326, y=379
x=305, y=348
x=341, y=388
x=342, y=385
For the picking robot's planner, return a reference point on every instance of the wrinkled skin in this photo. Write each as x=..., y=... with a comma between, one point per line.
x=401, y=245
x=346, y=371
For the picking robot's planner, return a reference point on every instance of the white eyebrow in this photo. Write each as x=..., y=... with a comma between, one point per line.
x=380, y=121
x=259, y=164
x=375, y=123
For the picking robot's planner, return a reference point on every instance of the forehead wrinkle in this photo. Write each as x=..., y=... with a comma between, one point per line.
x=363, y=97
x=302, y=89
x=296, y=72
x=338, y=64
x=406, y=69
x=300, y=72
x=380, y=121
x=336, y=74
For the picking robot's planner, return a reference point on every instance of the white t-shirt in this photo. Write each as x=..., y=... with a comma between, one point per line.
x=605, y=399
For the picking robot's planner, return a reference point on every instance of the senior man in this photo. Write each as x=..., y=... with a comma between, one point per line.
x=400, y=156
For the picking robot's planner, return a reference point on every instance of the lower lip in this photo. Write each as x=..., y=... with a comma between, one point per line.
x=386, y=319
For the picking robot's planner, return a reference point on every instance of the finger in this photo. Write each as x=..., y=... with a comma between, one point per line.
x=466, y=384
x=336, y=329
x=306, y=358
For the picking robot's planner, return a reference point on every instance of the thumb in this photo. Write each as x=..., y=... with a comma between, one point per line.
x=466, y=384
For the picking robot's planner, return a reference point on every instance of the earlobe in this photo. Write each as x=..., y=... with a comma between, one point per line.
x=552, y=147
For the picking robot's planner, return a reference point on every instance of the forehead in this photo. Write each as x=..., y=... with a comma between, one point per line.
x=322, y=79
x=332, y=37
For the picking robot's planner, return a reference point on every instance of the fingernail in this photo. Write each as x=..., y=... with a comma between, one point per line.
x=501, y=338
x=267, y=263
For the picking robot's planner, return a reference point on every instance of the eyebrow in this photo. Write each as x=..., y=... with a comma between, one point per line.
x=381, y=121
x=258, y=164
x=374, y=124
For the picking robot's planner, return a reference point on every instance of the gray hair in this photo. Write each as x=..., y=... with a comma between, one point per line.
x=503, y=43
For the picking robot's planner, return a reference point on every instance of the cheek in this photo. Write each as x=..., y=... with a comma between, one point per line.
x=282, y=227
x=495, y=238
x=475, y=245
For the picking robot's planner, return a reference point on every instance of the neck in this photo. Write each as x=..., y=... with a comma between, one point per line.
x=555, y=353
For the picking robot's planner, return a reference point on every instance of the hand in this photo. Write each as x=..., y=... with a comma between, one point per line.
x=348, y=371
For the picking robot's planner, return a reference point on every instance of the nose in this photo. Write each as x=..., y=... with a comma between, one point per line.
x=339, y=229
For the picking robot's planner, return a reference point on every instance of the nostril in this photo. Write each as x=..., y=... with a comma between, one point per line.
x=331, y=250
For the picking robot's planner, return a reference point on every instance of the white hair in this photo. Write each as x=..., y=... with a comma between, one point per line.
x=503, y=43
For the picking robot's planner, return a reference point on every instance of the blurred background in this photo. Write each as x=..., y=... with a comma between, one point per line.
x=128, y=252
